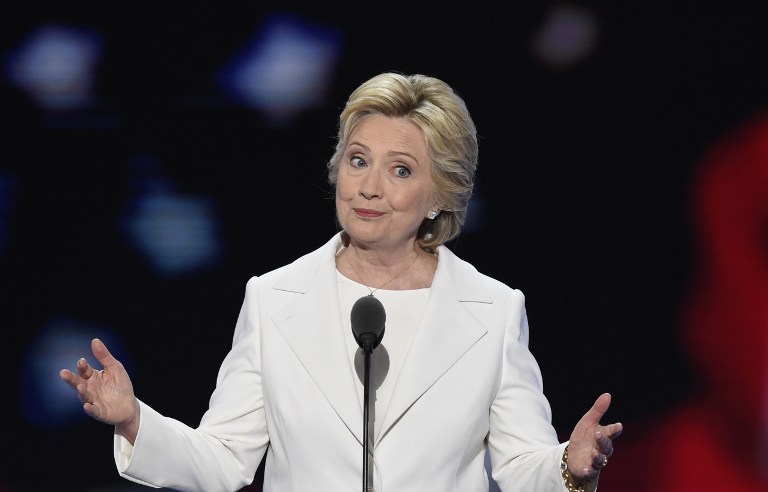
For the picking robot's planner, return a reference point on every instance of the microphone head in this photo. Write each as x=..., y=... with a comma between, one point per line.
x=368, y=319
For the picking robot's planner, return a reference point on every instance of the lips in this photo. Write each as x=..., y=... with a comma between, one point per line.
x=366, y=213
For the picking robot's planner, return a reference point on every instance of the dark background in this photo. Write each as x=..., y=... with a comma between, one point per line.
x=584, y=180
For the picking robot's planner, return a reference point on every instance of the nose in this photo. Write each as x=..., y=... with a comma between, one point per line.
x=370, y=184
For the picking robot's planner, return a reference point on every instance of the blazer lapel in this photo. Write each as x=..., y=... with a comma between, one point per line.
x=446, y=332
x=314, y=332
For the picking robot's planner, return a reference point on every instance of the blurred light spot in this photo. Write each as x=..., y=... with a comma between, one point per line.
x=47, y=400
x=476, y=214
x=567, y=36
x=56, y=66
x=177, y=234
x=7, y=200
x=284, y=69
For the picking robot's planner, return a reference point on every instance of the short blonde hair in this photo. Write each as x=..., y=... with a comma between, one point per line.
x=450, y=134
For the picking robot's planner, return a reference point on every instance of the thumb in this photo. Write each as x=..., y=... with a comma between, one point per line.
x=599, y=409
x=102, y=354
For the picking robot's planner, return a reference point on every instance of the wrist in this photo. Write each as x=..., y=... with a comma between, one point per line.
x=572, y=483
x=130, y=428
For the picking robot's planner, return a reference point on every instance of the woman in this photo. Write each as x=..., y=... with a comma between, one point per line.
x=453, y=374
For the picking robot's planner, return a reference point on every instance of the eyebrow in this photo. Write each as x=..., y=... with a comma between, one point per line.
x=390, y=153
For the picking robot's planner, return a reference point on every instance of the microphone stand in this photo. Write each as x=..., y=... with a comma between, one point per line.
x=367, y=352
x=367, y=319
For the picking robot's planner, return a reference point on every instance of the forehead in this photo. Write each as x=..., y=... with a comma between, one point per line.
x=397, y=134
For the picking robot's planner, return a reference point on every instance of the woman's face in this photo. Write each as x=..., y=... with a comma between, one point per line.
x=384, y=187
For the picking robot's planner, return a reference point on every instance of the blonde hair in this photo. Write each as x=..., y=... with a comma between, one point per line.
x=448, y=129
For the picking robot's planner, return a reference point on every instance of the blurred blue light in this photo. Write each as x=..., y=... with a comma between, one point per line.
x=56, y=65
x=48, y=401
x=284, y=69
x=176, y=234
x=476, y=214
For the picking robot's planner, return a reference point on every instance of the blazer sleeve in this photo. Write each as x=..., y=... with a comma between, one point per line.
x=223, y=453
x=523, y=445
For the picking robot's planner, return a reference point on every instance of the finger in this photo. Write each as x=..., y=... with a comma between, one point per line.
x=599, y=460
x=604, y=444
x=599, y=408
x=70, y=378
x=102, y=354
x=83, y=393
x=605, y=434
x=612, y=431
x=91, y=410
x=590, y=473
x=84, y=369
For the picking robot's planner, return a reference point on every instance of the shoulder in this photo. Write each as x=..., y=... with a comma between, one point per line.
x=471, y=282
x=303, y=268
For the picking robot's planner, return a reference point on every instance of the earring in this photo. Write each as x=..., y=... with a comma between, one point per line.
x=432, y=214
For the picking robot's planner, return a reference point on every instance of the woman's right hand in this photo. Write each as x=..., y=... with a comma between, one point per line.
x=107, y=395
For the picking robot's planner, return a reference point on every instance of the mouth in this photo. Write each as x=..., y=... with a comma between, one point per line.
x=366, y=213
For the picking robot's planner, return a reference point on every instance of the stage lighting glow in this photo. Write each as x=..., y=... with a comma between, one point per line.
x=47, y=401
x=476, y=214
x=176, y=234
x=285, y=69
x=567, y=36
x=56, y=66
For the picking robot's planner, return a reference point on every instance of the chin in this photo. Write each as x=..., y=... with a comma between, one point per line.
x=364, y=238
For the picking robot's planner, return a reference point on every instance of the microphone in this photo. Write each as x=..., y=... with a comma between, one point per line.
x=368, y=319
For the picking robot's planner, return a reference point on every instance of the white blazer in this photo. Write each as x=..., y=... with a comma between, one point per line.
x=287, y=388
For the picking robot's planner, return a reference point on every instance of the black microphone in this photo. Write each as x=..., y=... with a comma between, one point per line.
x=368, y=319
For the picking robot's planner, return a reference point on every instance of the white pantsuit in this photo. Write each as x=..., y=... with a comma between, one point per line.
x=286, y=388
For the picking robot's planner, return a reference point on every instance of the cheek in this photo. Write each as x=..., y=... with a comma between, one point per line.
x=341, y=212
x=420, y=202
x=344, y=190
x=412, y=201
x=343, y=206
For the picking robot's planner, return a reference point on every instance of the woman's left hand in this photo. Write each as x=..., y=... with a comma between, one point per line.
x=591, y=444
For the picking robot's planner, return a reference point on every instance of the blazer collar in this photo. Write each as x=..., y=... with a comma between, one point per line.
x=447, y=330
x=314, y=332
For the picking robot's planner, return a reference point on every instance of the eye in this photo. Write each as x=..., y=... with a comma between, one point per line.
x=402, y=171
x=357, y=162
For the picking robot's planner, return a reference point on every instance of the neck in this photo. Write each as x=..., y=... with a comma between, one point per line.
x=378, y=269
x=380, y=258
